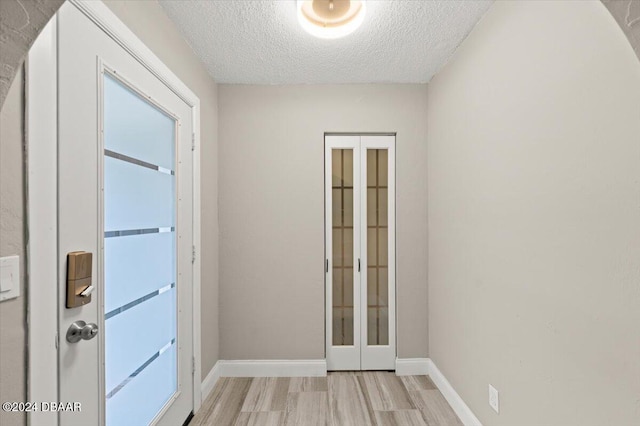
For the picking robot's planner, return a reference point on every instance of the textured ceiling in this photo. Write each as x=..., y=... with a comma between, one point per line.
x=261, y=42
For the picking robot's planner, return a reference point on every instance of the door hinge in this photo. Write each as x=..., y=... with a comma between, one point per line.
x=193, y=141
x=327, y=266
x=193, y=365
x=193, y=254
x=57, y=340
x=358, y=265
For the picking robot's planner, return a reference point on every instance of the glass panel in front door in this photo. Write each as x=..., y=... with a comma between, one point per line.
x=139, y=256
x=343, y=232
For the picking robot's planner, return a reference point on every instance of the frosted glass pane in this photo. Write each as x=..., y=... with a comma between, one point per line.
x=336, y=167
x=137, y=265
x=348, y=286
x=338, y=242
x=372, y=161
x=136, y=128
x=383, y=167
x=134, y=335
x=383, y=247
x=372, y=286
x=372, y=247
x=342, y=326
x=372, y=326
x=377, y=248
x=383, y=207
x=382, y=296
x=136, y=197
x=336, y=207
x=342, y=293
x=347, y=195
x=372, y=200
x=378, y=326
x=337, y=292
x=138, y=402
x=342, y=215
x=347, y=167
x=139, y=256
x=378, y=287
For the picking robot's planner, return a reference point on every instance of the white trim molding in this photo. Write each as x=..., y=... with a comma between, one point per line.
x=412, y=366
x=425, y=366
x=42, y=222
x=457, y=403
x=210, y=381
x=273, y=368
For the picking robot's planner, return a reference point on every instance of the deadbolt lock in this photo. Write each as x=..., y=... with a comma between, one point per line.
x=79, y=286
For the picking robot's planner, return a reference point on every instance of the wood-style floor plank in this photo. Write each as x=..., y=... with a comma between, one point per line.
x=267, y=394
x=264, y=418
x=223, y=406
x=413, y=383
x=341, y=399
x=435, y=409
x=307, y=408
x=347, y=401
x=308, y=384
x=387, y=392
x=399, y=417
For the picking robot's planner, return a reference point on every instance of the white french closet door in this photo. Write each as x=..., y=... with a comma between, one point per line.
x=360, y=252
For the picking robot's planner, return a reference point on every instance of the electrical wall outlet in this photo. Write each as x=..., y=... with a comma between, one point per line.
x=494, y=399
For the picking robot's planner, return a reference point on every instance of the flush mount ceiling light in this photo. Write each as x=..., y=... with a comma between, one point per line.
x=331, y=18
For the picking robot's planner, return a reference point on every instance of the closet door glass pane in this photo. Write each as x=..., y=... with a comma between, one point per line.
x=139, y=256
x=377, y=248
x=342, y=223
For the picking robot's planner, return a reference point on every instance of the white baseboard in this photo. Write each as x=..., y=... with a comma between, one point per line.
x=455, y=401
x=412, y=366
x=210, y=381
x=425, y=366
x=273, y=368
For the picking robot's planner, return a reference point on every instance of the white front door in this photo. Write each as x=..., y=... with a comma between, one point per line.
x=360, y=252
x=125, y=195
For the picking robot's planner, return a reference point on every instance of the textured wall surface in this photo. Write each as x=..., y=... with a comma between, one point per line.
x=12, y=242
x=627, y=14
x=261, y=42
x=20, y=23
x=272, y=212
x=534, y=217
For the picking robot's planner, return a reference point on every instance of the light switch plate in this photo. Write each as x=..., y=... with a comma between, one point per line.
x=9, y=277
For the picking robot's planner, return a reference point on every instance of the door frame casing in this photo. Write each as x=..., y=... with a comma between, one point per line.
x=42, y=204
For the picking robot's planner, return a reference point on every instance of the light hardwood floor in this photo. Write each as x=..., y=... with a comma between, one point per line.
x=340, y=399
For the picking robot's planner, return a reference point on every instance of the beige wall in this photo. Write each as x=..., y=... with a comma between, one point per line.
x=534, y=217
x=12, y=242
x=272, y=212
x=150, y=23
